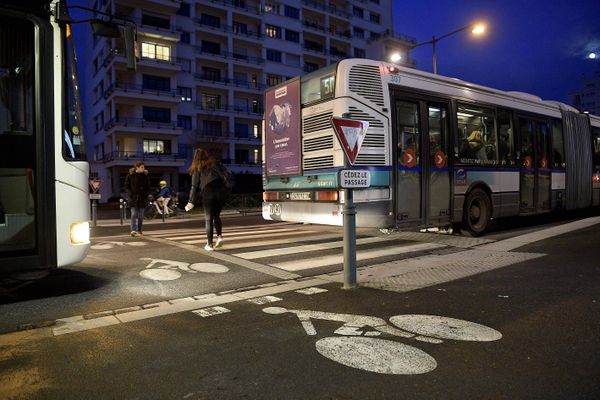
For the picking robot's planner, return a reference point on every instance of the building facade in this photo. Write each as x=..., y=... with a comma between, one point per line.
x=587, y=98
x=202, y=68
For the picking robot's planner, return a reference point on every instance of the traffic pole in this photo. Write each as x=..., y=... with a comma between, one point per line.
x=349, y=220
x=94, y=212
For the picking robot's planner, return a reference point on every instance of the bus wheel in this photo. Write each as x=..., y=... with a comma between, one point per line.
x=477, y=212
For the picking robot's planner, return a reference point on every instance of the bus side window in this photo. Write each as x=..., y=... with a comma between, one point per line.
x=506, y=154
x=558, y=149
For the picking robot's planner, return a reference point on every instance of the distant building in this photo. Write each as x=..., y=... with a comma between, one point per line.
x=202, y=68
x=587, y=98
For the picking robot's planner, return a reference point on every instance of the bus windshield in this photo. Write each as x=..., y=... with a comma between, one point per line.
x=318, y=85
x=73, y=144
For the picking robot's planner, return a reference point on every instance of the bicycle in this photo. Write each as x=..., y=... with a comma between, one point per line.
x=362, y=348
x=153, y=209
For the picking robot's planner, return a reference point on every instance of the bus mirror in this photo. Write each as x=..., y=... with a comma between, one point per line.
x=105, y=28
x=129, y=35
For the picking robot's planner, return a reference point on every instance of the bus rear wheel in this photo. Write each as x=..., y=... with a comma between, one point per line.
x=477, y=212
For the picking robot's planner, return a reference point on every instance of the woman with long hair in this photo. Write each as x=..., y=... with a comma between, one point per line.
x=209, y=176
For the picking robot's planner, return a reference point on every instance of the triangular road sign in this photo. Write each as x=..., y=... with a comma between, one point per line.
x=350, y=133
x=95, y=184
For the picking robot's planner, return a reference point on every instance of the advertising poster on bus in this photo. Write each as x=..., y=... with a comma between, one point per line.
x=282, y=130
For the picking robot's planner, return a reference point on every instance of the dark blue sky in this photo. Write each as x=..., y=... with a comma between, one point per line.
x=536, y=46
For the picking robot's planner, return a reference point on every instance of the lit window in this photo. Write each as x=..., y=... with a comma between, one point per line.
x=156, y=51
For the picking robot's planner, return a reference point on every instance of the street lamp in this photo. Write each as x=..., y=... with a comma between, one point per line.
x=476, y=29
x=592, y=56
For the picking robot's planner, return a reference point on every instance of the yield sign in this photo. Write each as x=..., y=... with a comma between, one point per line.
x=95, y=184
x=351, y=134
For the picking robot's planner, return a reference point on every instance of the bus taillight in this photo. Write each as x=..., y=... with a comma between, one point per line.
x=270, y=196
x=327, y=196
x=596, y=178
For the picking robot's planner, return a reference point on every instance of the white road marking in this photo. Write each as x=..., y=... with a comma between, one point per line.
x=246, y=243
x=247, y=237
x=265, y=300
x=210, y=311
x=210, y=268
x=156, y=274
x=445, y=328
x=252, y=255
x=360, y=256
x=376, y=355
x=236, y=233
x=311, y=290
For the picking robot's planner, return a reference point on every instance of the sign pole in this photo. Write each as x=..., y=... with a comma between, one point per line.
x=349, y=220
x=94, y=212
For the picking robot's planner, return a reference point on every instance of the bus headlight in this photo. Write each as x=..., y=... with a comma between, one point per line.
x=80, y=233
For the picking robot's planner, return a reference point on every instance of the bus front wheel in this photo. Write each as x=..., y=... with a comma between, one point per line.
x=477, y=212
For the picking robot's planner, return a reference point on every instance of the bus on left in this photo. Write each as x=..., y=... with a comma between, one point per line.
x=44, y=203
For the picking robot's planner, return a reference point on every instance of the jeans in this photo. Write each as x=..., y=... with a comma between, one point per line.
x=214, y=197
x=137, y=217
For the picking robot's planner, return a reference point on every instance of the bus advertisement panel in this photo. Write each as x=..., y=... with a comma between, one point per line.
x=282, y=129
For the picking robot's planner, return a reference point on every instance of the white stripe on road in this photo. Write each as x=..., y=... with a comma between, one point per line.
x=297, y=265
x=249, y=237
x=246, y=244
x=252, y=255
x=168, y=232
x=233, y=233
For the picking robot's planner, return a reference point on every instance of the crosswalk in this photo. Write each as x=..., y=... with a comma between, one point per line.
x=297, y=247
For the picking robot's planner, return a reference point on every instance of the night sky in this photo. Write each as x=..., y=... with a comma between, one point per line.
x=538, y=47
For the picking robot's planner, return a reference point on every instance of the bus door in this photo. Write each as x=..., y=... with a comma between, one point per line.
x=422, y=175
x=534, y=165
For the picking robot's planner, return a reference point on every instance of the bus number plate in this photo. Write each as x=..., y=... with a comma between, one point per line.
x=300, y=196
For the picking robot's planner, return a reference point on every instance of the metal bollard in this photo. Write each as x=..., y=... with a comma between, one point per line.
x=94, y=212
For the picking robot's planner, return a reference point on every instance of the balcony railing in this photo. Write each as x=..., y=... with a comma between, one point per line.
x=130, y=87
x=231, y=55
x=138, y=155
x=119, y=52
x=237, y=4
x=139, y=123
x=230, y=108
x=388, y=34
x=225, y=136
x=234, y=162
x=229, y=29
x=327, y=8
x=228, y=81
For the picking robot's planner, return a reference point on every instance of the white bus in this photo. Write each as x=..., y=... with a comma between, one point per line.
x=44, y=203
x=440, y=151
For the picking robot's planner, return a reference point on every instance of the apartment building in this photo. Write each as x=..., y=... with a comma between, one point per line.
x=587, y=98
x=202, y=68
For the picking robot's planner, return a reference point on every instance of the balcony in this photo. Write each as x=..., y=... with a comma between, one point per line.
x=238, y=5
x=120, y=158
x=135, y=93
x=327, y=8
x=247, y=34
x=228, y=109
x=164, y=63
x=140, y=125
x=244, y=85
x=241, y=58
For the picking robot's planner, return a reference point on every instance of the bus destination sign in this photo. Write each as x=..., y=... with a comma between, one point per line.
x=355, y=178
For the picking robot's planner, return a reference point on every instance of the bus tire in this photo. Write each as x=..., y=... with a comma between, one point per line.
x=477, y=212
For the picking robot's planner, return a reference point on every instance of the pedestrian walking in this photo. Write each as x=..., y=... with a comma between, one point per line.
x=211, y=179
x=137, y=185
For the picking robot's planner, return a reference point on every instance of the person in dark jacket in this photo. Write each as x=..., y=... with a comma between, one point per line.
x=137, y=185
x=208, y=175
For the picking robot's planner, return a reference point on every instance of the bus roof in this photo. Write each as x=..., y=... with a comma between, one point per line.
x=515, y=95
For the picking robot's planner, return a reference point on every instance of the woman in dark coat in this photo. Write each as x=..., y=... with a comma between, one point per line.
x=137, y=185
x=211, y=175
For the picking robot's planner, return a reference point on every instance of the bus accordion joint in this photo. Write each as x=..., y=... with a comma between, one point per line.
x=80, y=233
x=330, y=195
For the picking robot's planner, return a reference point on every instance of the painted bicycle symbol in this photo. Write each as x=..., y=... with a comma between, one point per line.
x=167, y=270
x=360, y=347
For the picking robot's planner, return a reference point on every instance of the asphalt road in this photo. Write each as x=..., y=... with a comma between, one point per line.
x=523, y=325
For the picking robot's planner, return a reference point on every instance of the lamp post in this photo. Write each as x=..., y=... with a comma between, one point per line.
x=476, y=29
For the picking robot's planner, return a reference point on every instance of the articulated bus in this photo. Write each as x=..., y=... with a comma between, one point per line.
x=440, y=151
x=44, y=203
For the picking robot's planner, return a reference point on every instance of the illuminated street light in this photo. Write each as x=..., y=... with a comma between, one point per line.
x=395, y=57
x=592, y=56
x=476, y=29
